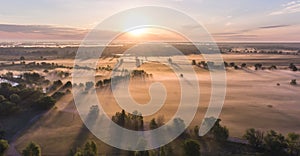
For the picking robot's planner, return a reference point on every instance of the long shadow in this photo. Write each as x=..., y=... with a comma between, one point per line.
x=84, y=132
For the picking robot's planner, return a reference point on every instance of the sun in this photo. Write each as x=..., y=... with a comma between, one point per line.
x=138, y=32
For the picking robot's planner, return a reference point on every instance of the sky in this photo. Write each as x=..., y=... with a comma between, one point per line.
x=225, y=20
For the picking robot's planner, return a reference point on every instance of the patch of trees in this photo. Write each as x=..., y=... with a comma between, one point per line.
x=133, y=121
x=56, y=84
x=293, y=67
x=273, y=143
x=209, y=64
x=258, y=66
x=16, y=98
x=107, y=68
x=33, y=77
x=191, y=148
x=217, y=132
x=89, y=149
x=140, y=73
x=32, y=149
x=26, y=78
x=272, y=67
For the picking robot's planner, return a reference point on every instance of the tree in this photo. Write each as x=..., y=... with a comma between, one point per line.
x=191, y=148
x=194, y=62
x=153, y=124
x=57, y=83
x=258, y=66
x=32, y=149
x=22, y=58
x=254, y=137
x=293, y=67
x=89, y=85
x=243, y=65
x=160, y=120
x=15, y=98
x=3, y=146
x=275, y=143
x=293, y=82
x=225, y=64
x=68, y=84
x=220, y=133
x=99, y=83
x=196, y=130
x=90, y=149
x=45, y=103
x=178, y=125
x=293, y=143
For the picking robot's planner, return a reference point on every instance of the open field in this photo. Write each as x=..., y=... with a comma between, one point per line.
x=253, y=100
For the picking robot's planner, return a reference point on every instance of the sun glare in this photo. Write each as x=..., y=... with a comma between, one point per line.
x=138, y=32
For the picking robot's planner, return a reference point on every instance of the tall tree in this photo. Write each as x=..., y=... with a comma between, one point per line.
x=191, y=148
x=32, y=149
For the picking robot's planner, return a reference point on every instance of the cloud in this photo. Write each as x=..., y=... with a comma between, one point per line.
x=246, y=34
x=273, y=26
x=43, y=30
x=48, y=32
x=288, y=8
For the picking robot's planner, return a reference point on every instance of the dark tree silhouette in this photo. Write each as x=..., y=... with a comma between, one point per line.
x=32, y=149
x=254, y=137
x=191, y=148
